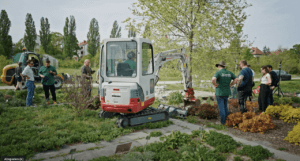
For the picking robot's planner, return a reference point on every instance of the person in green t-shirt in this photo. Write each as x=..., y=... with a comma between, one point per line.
x=130, y=61
x=221, y=81
x=47, y=74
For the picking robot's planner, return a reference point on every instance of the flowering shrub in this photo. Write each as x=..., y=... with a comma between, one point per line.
x=233, y=120
x=294, y=135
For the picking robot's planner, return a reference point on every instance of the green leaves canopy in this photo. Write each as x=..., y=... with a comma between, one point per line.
x=45, y=34
x=116, y=31
x=5, y=39
x=93, y=37
x=30, y=33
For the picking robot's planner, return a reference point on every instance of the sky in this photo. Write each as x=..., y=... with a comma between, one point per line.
x=271, y=22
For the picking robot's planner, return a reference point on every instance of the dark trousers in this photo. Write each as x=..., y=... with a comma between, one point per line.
x=270, y=99
x=52, y=89
x=242, y=97
x=263, y=97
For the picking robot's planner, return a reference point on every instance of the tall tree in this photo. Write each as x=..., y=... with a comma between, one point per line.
x=268, y=50
x=265, y=49
x=55, y=44
x=93, y=37
x=19, y=46
x=147, y=31
x=196, y=24
x=70, y=39
x=30, y=33
x=116, y=31
x=131, y=32
x=45, y=35
x=5, y=39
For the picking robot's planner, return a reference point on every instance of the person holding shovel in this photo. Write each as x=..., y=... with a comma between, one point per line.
x=221, y=81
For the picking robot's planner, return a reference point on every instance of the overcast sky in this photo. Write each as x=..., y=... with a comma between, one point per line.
x=271, y=22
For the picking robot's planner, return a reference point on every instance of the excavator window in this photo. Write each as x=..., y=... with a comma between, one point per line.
x=121, y=59
x=147, y=59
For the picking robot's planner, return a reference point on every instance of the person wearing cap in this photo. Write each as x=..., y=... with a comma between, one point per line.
x=47, y=74
x=244, y=85
x=28, y=73
x=222, y=82
x=19, y=76
x=130, y=61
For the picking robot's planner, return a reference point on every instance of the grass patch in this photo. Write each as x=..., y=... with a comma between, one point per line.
x=282, y=149
x=74, y=72
x=290, y=86
x=218, y=127
x=26, y=132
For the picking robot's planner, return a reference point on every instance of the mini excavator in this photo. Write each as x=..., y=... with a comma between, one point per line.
x=128, y=75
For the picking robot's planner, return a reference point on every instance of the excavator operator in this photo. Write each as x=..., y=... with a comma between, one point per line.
x=130, y=61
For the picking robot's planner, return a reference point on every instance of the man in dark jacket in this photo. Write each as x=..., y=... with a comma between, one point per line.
x=274, y=83
x=244, y=85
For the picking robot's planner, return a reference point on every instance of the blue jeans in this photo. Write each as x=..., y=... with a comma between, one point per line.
x=223, y=109
x=30, y=92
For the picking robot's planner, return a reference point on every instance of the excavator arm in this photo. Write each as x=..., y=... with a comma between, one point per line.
x=170, y=55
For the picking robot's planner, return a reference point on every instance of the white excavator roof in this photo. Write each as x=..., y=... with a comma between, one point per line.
x=127, y=39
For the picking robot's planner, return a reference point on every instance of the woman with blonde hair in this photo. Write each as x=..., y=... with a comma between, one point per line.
x=264, y=89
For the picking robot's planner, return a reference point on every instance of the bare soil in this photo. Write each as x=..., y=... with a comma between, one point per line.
x=272, y=138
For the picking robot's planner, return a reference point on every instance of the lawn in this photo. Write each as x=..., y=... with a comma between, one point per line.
x=290, y=86
x=74, y=72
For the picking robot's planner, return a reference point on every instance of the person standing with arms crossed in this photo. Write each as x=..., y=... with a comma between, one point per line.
x=244, y=85
x=28, y=73
x=221, y=81
x=47, y=74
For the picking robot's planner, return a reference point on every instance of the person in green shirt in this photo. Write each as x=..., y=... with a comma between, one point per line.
x=221, y=81
x=130, y=61
x=47, y=74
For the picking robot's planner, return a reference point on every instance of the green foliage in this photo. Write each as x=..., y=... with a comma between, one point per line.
x=30, y=33
x=223, y=143
x=102, y=158
x=5, y=39
x=10, y=92
x=93, y=37
x=155, y=133
x=116, y=31
x=256, y=153
x=69, y=63
x=45, y=35
x=131, y=32
x=3, y=61
x=153, y=125
x=17, y=102
x=282, y=100
x=218, y=127
x=175, y=98
x=238, y=158
x=147, y=156
x=25, y=132
x=39, y=90
x=70, y=39
x=192, y=119
x=296, y=99
x=175, y=139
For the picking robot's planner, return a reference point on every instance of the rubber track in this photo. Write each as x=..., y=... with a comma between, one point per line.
x=145, y=112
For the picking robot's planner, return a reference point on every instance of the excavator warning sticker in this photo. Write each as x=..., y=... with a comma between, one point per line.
x=116, y=94
x=142, y=103
x=149, y=118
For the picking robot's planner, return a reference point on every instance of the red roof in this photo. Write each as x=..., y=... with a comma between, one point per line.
x=276, y=52
x=82, y=43
x=256, y=51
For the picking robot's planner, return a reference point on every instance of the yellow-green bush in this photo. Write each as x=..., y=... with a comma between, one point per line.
x=284, y=112
x=294, y=135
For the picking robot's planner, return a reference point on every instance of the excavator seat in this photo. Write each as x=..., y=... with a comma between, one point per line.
x=123, y=69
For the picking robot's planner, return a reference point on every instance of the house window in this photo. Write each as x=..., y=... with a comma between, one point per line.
x=81, y=52
x=81, y=47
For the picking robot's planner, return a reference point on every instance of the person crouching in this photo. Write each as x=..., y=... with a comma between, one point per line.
x=47, y=74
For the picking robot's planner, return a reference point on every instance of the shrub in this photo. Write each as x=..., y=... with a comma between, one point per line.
x=3, y=62
x=251, y=106
x=10, y=92
x=284, y=112
x=175, y=98
x=256, y=153
x=207, y=111
x=155, y=133
x=234, y=103
x=282, y=100
x=296, y=99
x=39, y=90
x=260, y=123
x=223, y=143
x=294, y=135
x=21, y=94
